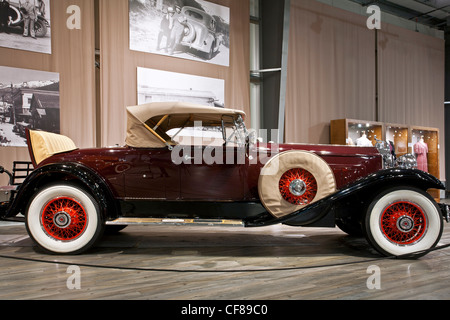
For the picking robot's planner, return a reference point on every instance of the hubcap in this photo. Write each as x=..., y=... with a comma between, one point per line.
x=61, y=219
x=403, y=223
x=298, y=186
x=64, y=219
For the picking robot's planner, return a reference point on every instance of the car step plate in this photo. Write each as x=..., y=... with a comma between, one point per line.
x=167, y=221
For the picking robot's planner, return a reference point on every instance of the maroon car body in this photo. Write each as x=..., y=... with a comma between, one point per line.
x=135, y=173
x=144, y=183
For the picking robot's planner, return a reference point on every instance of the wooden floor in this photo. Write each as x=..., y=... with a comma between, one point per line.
x=214, y=263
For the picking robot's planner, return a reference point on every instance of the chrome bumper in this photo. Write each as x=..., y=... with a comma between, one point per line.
x=445, y=209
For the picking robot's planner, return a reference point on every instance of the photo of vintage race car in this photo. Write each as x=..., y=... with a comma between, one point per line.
x=187, y=164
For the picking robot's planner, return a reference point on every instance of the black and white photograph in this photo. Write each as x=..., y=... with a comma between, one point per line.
x=25, y=25
x=163, y=86
x=28, y=99
x=189, y=29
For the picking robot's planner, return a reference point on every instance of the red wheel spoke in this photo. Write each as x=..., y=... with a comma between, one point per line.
x=306, y=179
x=403, y=223
x=64, y=219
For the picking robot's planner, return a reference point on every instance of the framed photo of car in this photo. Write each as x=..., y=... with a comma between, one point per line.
x=25, y=25
x=194, y=30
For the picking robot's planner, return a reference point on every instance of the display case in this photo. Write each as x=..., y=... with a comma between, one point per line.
x=421, y=142
x=398, y=137
x=355, y=132
x=424, y=144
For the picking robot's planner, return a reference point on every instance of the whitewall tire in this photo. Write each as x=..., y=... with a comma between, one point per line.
x=403, y=221
x=64, y=219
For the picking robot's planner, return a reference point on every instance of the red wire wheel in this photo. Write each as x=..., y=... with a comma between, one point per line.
x=298, y=186
x=64, y=219
x=403, y=223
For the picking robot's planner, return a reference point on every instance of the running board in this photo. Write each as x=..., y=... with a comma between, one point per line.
x=180, y=222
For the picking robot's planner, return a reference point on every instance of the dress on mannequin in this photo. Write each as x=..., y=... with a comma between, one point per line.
x=421, y=150
x=363, y=141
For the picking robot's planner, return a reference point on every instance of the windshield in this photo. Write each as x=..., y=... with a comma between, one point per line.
x=232, y=132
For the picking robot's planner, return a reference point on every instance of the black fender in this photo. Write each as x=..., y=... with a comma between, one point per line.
x=71, y=172
x=357, y=195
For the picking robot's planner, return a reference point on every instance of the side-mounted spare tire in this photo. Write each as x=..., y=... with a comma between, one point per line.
x=189, y=33
x=64, y=219
x=292, y=180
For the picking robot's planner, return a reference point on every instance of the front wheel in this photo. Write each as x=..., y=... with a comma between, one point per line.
x=403, y=221
x=64, y=219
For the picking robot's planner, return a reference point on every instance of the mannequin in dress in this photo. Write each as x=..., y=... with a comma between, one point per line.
x=421, y=150
x=363, y=141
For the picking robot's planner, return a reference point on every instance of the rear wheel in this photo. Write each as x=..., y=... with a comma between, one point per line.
x=403, y=221
x=64, y=219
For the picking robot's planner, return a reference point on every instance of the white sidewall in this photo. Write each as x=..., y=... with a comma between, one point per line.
x=35, y=227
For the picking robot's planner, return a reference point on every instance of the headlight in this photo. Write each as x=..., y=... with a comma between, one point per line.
x=407, y=161
x=385, y=150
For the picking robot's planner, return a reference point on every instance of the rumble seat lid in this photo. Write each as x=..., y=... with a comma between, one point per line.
x=42, y=145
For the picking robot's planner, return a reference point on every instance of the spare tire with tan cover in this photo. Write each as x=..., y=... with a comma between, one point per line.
x=292, y=180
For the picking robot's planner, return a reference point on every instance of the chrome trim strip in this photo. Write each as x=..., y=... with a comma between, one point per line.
x=167, y=221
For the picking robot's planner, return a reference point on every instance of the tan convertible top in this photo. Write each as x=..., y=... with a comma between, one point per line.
x=147, y=124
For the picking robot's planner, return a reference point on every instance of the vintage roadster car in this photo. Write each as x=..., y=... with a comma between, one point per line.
x=187, y=164
x=200, y=32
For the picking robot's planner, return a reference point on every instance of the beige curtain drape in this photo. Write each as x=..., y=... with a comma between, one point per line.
x=411, y=77
x=333, y=67
x=73, y=58
x=331, y=70
x=412, y=80
x=119, y=65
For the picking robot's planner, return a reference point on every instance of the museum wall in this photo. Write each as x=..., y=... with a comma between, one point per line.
x=119, y=65
x=411, y=77
x=72, y=56
x=333, y=69
x=412, y=81
x=93, y=100
x=332, y=72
